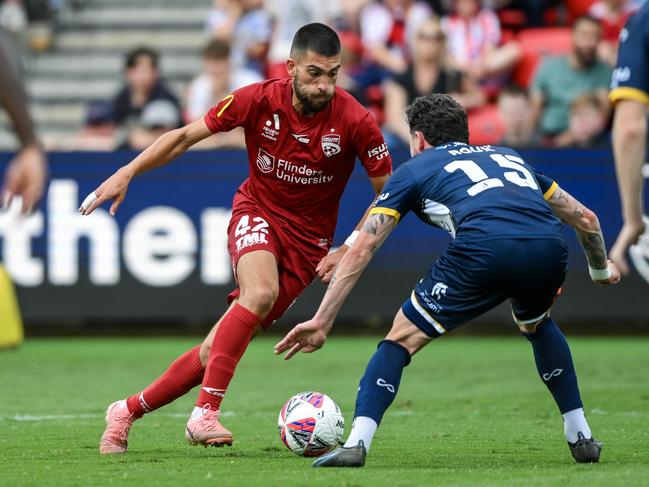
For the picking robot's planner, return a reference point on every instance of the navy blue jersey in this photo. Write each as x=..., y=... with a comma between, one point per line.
x=630, y=80
x=473, y=192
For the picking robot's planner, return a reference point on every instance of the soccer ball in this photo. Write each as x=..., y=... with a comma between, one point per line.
x=310, y=424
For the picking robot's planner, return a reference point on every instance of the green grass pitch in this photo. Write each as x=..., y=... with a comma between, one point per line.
x=469, y=412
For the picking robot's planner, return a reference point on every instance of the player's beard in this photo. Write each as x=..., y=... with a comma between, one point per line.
x=309, y=107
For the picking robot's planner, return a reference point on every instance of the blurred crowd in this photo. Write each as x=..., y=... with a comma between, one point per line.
x=529, y=72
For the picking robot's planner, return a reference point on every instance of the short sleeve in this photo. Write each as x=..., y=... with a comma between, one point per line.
x=371, y=148
x=630, y=79
x=547, y=185
x=399, y=196
x=232, y=111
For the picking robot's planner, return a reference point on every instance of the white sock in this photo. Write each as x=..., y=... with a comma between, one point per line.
x=575, y=422
x=197, y=412
x=363, y=428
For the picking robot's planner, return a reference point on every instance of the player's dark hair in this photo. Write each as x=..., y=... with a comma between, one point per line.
x=440, y=118
x=217, y=49
x=315, y=37
x=133, y=56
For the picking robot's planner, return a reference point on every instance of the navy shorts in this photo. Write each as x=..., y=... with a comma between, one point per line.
x=471, y=278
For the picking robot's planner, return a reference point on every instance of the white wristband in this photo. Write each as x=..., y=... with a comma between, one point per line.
x=599, y=274
x=352, y=238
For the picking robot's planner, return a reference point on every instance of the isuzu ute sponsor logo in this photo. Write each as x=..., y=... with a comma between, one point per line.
x=379, y=152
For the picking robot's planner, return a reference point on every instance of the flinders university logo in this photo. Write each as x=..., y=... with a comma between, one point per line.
x=331, y=144
x=265, y=161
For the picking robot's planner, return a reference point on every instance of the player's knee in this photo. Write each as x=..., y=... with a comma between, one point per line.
x=259, y=300
x=529, y=329
x=204, y=352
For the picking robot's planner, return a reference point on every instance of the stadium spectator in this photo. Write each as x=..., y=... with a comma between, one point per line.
x=388, y=29
x=612, y=15
x=216, y=81
x=560, y=80
x=26, y=174
x=97, y=134
x=588, y=119
x=515, y=111
x=428, y=73
x=158, y=117
x=290, y=15
x=143, y=86
x=248, y=27
x=534, y=10
x=474, y=41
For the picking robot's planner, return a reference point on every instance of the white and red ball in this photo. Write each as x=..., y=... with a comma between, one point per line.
x=310, y=424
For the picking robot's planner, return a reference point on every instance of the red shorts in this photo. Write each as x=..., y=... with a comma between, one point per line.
x=250, y=229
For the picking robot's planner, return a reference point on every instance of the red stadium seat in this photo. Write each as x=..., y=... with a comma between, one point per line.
x=485, y=125
x=577, y=7
x=536, y=43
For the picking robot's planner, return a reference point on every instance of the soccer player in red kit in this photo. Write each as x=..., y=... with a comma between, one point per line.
x=302, y=136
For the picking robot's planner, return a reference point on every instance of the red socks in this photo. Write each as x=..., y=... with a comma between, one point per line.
x=230, y=342
x=181, y=377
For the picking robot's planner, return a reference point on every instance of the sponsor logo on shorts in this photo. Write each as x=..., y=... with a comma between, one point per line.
x=382, y=383
x=554, y=373
x=439, y=290
x=331, y=144
x=265, y=161
x=250, y=239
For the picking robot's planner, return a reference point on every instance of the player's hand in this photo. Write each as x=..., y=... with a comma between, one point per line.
x=25, y=177
x=327, y=265
x=308, y=337
x=614, y=278
x=628, y=236
x=114, y=188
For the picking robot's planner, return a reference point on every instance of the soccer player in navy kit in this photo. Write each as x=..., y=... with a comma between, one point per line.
x=508, y=244
x=630, y=94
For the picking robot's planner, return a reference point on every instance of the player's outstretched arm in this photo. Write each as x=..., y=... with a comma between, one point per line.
x=629, y=148
x=326, y=266
x=589, y=233
x=311, y=335
x=166, y=148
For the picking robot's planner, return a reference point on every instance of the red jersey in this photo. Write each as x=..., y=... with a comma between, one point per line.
x=299, y=165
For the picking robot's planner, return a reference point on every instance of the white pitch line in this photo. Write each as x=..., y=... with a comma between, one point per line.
x=67, y=417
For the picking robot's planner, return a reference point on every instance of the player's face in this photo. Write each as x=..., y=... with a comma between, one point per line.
x=314, y=80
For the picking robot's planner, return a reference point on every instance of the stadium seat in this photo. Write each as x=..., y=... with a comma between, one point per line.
x=576, y=8
x=485, y=125
x=536, y=43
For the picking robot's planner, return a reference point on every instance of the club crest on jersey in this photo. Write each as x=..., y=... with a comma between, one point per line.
x=331, y=144
x=265, y=161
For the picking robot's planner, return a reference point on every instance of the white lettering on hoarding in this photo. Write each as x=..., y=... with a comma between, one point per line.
x=159, y=243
